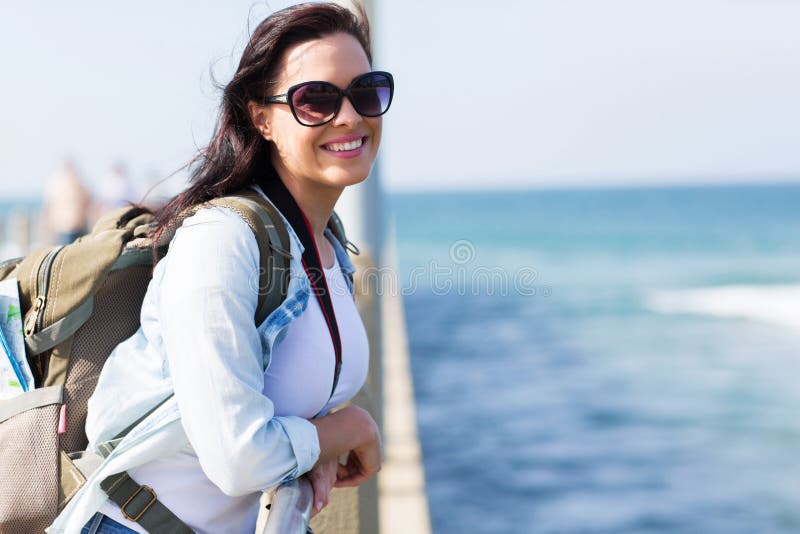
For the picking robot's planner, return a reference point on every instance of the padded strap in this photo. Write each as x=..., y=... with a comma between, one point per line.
x=275, y=274
x=272, y=238
x=133, y=256
x=336, y=226
x=140, y=504
x=34, y=398
x=107, y=447
x=62, y=329
x=236, y=205
x=273, y=247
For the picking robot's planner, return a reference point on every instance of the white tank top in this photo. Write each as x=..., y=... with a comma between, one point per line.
x=298, y=381
x=306, y=357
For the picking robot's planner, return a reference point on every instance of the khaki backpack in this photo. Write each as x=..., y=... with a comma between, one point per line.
x=79, y=302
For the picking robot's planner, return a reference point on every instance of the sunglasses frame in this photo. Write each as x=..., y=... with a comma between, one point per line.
x=286, y=98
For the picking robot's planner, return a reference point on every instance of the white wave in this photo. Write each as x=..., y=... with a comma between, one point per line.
x=777, y=304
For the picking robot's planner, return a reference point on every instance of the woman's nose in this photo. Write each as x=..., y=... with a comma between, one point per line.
x=347, y=114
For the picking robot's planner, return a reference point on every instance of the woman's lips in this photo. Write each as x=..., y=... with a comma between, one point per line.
x=350, y=146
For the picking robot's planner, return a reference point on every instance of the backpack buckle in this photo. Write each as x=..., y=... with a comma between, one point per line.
x=349, y=245
x=153, y=500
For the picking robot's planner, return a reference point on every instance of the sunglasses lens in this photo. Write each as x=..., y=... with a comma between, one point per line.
x=315, y=103
x=371, y=94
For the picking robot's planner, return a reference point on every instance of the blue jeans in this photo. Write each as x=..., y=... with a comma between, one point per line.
x=102, y=524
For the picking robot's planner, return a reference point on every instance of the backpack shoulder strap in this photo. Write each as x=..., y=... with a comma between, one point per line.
x=140, y=504
x=273, y=244
x=336, y=226
x=273, y=247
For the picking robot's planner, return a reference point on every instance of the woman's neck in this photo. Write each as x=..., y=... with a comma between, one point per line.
x=316, y=203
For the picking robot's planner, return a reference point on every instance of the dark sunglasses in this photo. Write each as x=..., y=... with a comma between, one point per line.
x=317, y=103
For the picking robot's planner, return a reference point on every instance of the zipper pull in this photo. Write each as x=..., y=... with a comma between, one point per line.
x=33, y=317
x=62, y=419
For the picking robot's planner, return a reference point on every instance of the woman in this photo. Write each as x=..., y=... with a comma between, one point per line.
x=232, y=429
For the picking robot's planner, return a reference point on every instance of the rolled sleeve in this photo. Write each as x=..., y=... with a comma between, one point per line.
x=304, y=440
x=207, y=306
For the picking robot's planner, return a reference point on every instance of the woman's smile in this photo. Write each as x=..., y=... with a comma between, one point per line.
x=349, y=146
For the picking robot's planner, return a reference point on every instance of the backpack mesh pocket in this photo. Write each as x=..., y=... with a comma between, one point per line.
x=29, y=469
x=115, y=318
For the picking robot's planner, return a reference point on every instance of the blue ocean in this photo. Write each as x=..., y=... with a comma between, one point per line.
x=606, y=360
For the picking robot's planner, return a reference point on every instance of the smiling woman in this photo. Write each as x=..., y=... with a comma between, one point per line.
x=248, y=402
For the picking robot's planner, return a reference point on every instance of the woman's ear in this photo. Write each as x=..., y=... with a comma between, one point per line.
x=260, y=119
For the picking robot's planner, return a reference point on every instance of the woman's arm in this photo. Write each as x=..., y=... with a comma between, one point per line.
x=214, y=355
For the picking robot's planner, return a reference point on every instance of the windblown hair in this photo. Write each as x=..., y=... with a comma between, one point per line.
x=237, y=153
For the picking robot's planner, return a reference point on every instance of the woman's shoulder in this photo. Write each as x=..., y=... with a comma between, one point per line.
x=213, y=232
x=214, y=220
x=219, y=215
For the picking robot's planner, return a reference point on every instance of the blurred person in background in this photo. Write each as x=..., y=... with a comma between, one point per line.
x=115, y=190
x=67, y=205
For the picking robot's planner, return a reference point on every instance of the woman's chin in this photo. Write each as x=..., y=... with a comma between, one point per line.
x=344, y=177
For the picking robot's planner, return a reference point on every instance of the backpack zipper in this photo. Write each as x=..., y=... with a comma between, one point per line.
x=34, y=323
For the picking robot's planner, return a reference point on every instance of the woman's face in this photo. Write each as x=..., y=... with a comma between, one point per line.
x=314, y=155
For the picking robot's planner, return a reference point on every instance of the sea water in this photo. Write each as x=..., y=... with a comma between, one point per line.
x=604, y=361
x=630, y=364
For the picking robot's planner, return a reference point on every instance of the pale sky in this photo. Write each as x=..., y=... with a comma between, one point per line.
x=489, y=94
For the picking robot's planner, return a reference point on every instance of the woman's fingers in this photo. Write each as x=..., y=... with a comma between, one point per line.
x=322, y=477
x=349, y=474
x=341, y=472
x=320, y=494
x=361, y=465
x=320, y=497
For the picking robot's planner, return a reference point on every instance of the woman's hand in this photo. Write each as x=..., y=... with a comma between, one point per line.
x=350, y=431
x=362, y=463
x=322, y=477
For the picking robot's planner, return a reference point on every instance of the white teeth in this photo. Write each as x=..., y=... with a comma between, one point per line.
x=341, y=147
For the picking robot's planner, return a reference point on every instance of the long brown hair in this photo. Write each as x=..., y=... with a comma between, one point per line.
x=237, y=152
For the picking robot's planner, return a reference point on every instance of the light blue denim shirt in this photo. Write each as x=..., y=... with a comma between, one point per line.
x=198, y=339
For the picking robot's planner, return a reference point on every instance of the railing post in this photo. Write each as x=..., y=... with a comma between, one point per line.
x=24, y=239
x=290, y=510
